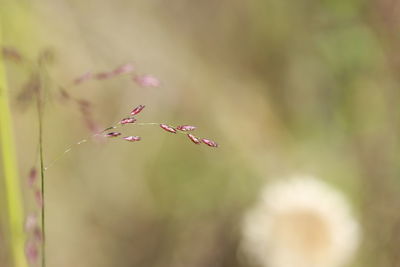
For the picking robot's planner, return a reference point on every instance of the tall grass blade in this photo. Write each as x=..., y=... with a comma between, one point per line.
x=13, y=193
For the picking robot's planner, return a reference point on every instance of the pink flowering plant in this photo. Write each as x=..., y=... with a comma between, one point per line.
x=35, y=90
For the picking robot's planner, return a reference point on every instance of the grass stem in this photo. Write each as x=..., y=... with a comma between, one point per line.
x=42, y=181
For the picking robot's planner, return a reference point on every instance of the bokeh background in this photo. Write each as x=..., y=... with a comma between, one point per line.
x=283, y=86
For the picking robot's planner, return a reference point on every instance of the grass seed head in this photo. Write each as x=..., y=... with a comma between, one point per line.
x=112, y=134
x=137, y=110
x=194, y=139
x=168, y=128
x=127, y=120
x=186, y=128
x=132, y=138
x=209, y=142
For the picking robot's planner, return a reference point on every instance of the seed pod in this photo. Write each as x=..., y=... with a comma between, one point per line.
x=132, y=138
x=127, y=120
x=168, y=128
x=186, y=128
x=209, y=142
x=112, y=134
x=137, y=110
x=194, y=139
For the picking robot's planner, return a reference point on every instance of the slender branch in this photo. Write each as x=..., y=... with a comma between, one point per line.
x=115, y=126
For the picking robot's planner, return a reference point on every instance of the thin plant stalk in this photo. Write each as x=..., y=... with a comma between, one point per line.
x=42, y=182
x=13, y=194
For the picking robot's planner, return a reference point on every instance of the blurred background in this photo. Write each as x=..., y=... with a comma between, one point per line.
x=283, y=86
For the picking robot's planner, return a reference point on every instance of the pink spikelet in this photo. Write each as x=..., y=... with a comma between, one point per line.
x=104, y=75
x=186, y=128
x=39, y=198
x=83, y=78
x=168, y=128
x=30, y=222
x=112, y=134
x=209, y=142
x=124, y=69
x=37, y=234
x=31, y=252
x=137, y=110
x=147, y=81
x=12, y=54
x=127, y=120
x=32, y=176
x=132, y=138
x=64, y=95
x=85, y=109
x=194, y=139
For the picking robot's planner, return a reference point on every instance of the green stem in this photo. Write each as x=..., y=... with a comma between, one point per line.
x=41, y=159
x=15, y=213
